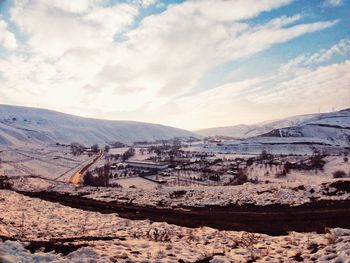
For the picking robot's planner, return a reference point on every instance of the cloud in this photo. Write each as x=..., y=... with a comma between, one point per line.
x=55, y=27
x=296, y=88
x=333, y=3
x=284, y=20
x=144, y=3
x=228, y=11
x=304, y=61
x=78, y=7
x=7, y=39
x=83, y=55
x=185, y=44
x=341, y=48
x=326, y=85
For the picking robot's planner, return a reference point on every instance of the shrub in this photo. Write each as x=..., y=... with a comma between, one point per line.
x=241, y=178
x=214, y=177
x=95, y=148
x=177, y=194
x=99, y=177
x=339, y=174
x=283, y=173
x=317, y=161
x=159, y=234
x=128, y=154
x=107, y=148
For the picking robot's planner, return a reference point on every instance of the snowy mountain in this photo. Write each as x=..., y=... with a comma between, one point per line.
x=328, y=128
x=333, y=128
x=23, y=125
x=246, y=131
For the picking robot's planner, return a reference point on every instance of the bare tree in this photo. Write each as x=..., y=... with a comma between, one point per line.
x=107, y=148
x=76, y=148
x=128, y=154
x=95, y=148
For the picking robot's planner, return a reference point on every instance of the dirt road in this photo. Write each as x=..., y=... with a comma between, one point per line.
x=77, y=177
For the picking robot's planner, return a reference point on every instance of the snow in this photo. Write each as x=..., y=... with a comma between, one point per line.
x=289, y=193
x=51, y=162
x=245, y=131
x=33, y=162
x=142, y=241
x=137, y=182
x=326, y=128
x=22, y=126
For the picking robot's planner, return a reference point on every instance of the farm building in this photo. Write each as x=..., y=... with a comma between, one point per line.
x=148, y=165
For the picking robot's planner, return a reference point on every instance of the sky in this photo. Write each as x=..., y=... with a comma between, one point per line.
x=189, y=64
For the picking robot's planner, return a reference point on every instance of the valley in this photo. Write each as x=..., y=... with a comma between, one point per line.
x=169, y=198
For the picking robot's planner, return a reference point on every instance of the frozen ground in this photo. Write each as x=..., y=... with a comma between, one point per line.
x=51, y=162
x=137, y=182
x=292, y=194
x=28, y=219
x=268, y=173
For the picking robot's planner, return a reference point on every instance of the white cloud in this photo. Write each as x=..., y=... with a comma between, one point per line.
x=70, y=6
x=298, y=87
x=333, y=3
x=176, y=48
x=284, y=20
x=113, y=19
x=228, y=11
x=54, y=29
x=304, y=61
x=7, y=39
x=341, y=48
x=326, y=83
x=326, y=86
x=73, y=61
x=144, y=3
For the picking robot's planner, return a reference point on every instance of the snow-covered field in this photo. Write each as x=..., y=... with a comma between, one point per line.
x=96, y=237
x=268, y=173
x=30, y=219
x=52, y=162
x=137, y=182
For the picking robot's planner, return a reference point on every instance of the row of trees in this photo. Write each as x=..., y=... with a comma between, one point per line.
x=128, y=154
x=78, y=149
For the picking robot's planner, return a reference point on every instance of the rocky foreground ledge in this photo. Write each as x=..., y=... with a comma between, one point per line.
x=35, y=230
x=269, y=209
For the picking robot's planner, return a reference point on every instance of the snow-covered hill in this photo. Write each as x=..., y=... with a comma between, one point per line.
x=246, y=131
x=23, y=125
x=329, y=128
x=333, y=128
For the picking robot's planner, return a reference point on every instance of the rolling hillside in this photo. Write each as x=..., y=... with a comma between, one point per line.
x=23, y=125
x=331, y=128
x=245, y=131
